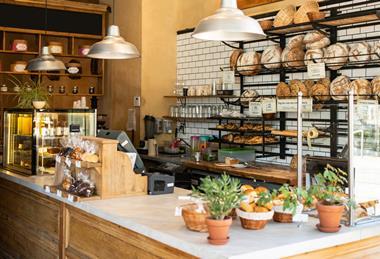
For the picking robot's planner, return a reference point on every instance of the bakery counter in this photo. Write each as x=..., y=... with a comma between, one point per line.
x=144, y=226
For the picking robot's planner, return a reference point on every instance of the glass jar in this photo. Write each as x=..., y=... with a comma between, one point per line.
x=194, y=143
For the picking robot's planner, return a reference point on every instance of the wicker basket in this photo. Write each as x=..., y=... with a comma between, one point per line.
x=284, y=16
x=301, y=15
x=254, y=220
x=194, y=220
x=266, y=24
x=315, y=16
x=283, y=217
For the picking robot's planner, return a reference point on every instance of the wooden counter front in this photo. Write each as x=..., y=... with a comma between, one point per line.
x=264, y=172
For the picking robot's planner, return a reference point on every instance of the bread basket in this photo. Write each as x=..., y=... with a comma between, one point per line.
x=285, y=216
x=284, y=16
x=301, y=15
x=254, y=220
x=194, y=220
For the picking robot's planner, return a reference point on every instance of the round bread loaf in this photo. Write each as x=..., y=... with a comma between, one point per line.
x=296, y=42
x=339, y=88
x=360, y=53
x=282, y=90
x=234, y=58
x=325, y=81
x=313, y=56
x=296, y=86
x=313, y=36
x=336, y=56
x=309, y=86
x=362, y=88
x=375, y=50
x=249, y=63
x=271, y=57
x=293, y=58
x=248, y=96
x=285, y=16
x=307, y=6
x=320, y=44
x=321, y=92
x=376, y=86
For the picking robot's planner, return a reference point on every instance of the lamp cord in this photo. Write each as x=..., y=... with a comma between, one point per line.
x=45, y=25
x=113, y=14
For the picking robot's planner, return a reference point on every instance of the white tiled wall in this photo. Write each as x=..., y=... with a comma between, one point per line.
x=200, y=62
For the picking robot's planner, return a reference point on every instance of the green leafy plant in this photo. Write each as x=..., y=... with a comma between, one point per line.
x=264, y=198
x=329, y=187
x=29, y=91
x=221, y=194
x=292, y=197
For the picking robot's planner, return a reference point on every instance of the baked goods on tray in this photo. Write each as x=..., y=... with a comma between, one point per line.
x=248, y=140
x=362, y=88
x=271, y=57
x=336, y=56
x=339, y=88
x=360, y=53
x=248, y=63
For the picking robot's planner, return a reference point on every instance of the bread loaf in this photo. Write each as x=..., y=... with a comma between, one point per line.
x=301, y=14
x=360, y=53
x=339, y=88
x=249, y=63
x=282, y=90
x=271, y=57
x=376, y=86
x=313, y=36
x=297, y=86
x=296, y=42
x=285, y=16
x=362, y=87
x=321, y=92
x=309, y=86
x=375, y=50
x=293, y=58
x=320, y=44
x=325, y=81
x=313, y=56
x=336, y=56
x=234, y=58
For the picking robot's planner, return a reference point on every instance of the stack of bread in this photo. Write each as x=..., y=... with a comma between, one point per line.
x=248, y=63
x=271, y=57
x=315, y=42
x=293, y=55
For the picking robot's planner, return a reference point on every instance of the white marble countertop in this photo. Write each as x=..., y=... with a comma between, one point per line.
x=153, y=216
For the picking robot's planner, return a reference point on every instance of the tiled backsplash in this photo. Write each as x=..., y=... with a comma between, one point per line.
x=200, y=62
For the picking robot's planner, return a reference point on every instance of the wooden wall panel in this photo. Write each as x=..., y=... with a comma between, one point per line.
x=244, y=4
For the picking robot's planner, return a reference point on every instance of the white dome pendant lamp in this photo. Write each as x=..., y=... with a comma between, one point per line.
x=228, y=24
x=45, y=61
x=113, y=46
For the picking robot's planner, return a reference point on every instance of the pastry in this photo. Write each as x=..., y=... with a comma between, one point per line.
x=296, y=86
x=282, y=90
x=285, y=16
x=313, y=56
x=295, y=42
x=249, y=63
x=293, y=58
x=375, y=50
x=309, y=85
x=376, y=86
x=360, y=53
x=362, y=88
x=320, y=92
x=261, y=189
x=313, y=36
x=339, y=88
x=336, y=56
x=325, y=81
x=234, y=58
x=271, y=57
x=228, y=138
x=320, y=44
x=245, y=187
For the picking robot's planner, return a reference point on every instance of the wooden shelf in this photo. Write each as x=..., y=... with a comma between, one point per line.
x=54, y=94
x=46, y=74
x=253, y=132
x=240, y=144
x=201, y=96
x=19, y=52
x=83, y=164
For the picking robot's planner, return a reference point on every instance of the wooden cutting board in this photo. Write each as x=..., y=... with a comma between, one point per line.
x=245, y=4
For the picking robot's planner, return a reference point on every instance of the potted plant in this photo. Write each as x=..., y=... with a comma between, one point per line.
x=31, y=94
x=332, y=201
x=222, y=196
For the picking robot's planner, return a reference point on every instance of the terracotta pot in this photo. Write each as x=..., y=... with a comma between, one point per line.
x=329, y=217
x=218, y=230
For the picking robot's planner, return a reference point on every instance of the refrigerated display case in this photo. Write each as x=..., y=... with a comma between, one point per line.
x=32, y=137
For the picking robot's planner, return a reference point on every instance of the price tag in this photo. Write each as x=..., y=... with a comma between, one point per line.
x=59, y=193
x=316, y=71
x=170, y=185
x=301, y=218
x=47, y=189
x=178, y=211
x=229, y=77
x=58, y=159
x=269, y=106
x=290, y=105
x=68, y=162
x=255, y=109
x=77, y=164
x=70, y=198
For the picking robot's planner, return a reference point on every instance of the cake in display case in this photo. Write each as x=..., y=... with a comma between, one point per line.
x=32, y=137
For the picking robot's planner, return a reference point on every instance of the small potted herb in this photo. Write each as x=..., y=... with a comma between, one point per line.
x=31, y=94
x=332, y=201
x=222, y=196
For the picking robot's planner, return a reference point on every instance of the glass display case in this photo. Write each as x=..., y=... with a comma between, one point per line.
x=32, y=137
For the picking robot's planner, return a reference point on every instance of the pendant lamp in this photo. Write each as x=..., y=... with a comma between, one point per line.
x=45, y=61
x=113, y=46
x=228, y=24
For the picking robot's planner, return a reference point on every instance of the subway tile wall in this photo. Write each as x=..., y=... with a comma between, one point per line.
x=200, y=62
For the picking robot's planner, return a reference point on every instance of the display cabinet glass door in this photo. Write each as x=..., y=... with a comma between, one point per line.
x=19, y=141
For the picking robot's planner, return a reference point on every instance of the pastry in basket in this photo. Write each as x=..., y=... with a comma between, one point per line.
x=339, y=88
x=286, y=203
x=271, y=57
x=293, y=58
x=362, y=88
x=234, y=58
x=249, y=63
x=360, y=53
x=195, y=215
x=297, y=86
x=282, y=90
x=336, y=56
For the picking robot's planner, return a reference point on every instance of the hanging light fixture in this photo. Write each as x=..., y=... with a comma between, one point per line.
x=113, y=46
x=45, y=61
x=228, y=24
